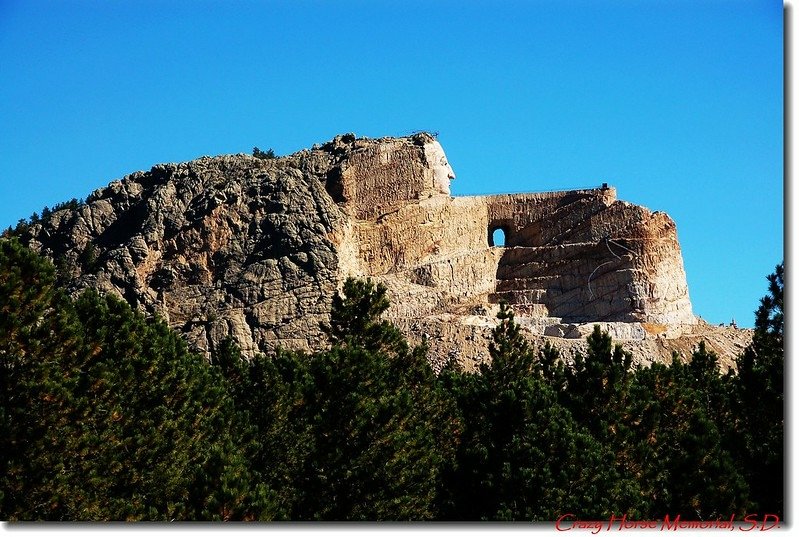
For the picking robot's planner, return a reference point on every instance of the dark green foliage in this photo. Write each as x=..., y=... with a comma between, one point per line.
x=270, y=392
x=380, y=426
x=522, y=456
x=598, y=384
x=72, y=204
x=88, y=258
x=28, y=330
x=359, y=432
x=769, y=316
x=380, y=434
x=355, y=319
x=661, y=424
x=264, y=155
x=510, y=353
x=758, y=402
x=23, y=225
x=19, y=230
x=106, y=415
x=675, y=446
x=551, y=368
x=27, y=293
x=704, y=376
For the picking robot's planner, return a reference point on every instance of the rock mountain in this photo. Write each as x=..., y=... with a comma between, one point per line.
x=256, y=248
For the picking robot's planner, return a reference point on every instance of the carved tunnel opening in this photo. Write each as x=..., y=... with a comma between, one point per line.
x=501, y=233
x=497, y=237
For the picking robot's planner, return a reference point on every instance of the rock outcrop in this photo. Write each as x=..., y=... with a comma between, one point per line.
x=255, y=249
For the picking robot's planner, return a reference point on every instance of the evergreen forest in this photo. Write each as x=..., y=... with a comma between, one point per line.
x=107, y=415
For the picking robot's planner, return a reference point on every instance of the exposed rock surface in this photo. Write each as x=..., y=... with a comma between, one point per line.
x=254, y=249
x=218, y=246
x=647, y=342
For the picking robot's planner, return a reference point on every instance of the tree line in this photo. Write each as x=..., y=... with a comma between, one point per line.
x=107, y=415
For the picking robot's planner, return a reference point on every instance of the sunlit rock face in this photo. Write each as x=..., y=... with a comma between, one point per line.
x=255, y=249
x=438, y=169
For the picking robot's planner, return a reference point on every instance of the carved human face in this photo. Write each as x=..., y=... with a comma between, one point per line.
x=439, y=167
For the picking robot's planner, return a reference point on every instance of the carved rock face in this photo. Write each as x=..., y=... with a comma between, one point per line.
x=439, y=169
x=254, y=249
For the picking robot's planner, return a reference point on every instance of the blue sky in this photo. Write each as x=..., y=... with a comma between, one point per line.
x=676, y=103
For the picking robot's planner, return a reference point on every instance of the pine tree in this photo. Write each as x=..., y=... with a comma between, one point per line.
x=598, y=384
x=522, y=456
x=106, y=415
x=597, y=393
x=551, y=367
x=38, y=332
x=270, y=395
x=675, y=447
x=703, y=375
x=355, y=319
x=380, y=425
x=359, y=432
x=264, y=155
x=758, y=402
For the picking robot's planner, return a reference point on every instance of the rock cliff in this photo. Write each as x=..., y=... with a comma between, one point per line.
x=255, y=249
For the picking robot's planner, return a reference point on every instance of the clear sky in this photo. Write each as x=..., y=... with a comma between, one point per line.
x=678, y=104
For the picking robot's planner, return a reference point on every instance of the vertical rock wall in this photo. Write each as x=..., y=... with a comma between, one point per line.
x=254, y=249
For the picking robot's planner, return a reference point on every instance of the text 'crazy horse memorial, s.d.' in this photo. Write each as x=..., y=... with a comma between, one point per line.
x=256, y=248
